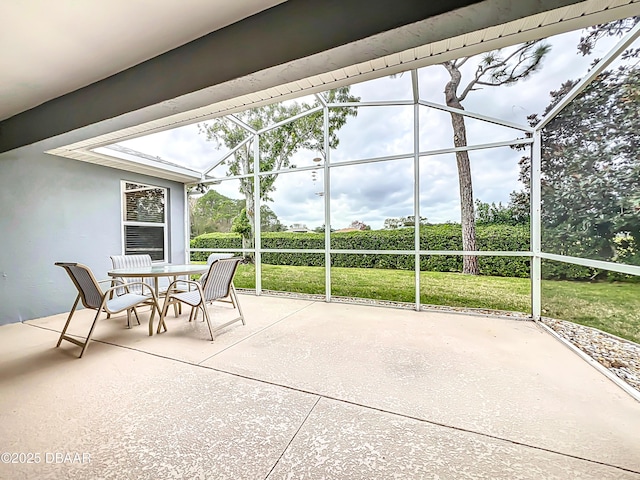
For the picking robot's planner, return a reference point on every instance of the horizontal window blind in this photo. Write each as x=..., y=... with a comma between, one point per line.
x=140, y=240
x=144, y=220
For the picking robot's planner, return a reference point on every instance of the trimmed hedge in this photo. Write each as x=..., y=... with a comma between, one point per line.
x=214, y=240
x=433, y=237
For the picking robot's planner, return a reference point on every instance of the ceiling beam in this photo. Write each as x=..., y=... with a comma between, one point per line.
x=286, y=33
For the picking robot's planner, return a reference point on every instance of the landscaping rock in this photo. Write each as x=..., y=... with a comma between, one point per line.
x=619, y=356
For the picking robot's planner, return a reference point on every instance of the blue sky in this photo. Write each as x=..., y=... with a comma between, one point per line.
x=371, y=193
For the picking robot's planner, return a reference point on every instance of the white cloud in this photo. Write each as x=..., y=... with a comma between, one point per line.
x=184, y=146
x=376, y=132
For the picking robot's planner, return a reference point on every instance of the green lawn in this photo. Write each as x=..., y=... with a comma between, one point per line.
x=612, y=307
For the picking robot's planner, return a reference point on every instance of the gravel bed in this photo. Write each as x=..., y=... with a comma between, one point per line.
x=619, y=356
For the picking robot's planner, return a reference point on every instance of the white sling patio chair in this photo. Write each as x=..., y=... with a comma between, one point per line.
x=93, y=297
x=129, y=261
x=212, y=258
x=218, y=284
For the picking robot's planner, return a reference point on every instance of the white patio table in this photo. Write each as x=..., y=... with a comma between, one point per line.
x=156, y=272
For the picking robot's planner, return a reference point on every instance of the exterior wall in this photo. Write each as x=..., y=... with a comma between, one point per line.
x=55, y=209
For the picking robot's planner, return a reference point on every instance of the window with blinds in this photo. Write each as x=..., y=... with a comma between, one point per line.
x=144, y=220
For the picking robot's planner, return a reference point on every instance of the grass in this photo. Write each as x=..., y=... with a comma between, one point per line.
x=611, y=307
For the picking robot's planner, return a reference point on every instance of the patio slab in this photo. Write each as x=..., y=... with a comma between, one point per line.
x=499, y=377
x=184, y=340
x=127, y=414
x=312, y=390
x=346, y=442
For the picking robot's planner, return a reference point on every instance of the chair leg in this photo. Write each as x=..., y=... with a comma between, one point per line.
x=236, y=303
x=177, y=306
x=203, y=305
x=135, y=312
x=93, y=326
x=66, y=325
x=152, y=315
x=165, y=306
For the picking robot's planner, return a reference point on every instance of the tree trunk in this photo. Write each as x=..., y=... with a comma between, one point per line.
x=467, y=213
x=245, y=158
x=249, y=242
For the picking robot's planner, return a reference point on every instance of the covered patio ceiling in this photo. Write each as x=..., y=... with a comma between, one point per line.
x=532, y=27
x=419, y=37
x=58, y=47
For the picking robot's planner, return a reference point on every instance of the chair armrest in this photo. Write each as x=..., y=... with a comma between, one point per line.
x=127, y=285
x=174, y=285
x=115, y=282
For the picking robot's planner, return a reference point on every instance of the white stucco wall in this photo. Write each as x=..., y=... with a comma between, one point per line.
x=54, y=209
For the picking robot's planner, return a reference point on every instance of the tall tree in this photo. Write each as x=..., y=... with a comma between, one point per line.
x=495, y=69
x=590, y=165
x=213, y=212
x=591, y=169
x=593, y=34
x=278, y=145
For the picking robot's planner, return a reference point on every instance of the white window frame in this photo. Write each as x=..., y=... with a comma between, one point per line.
x=124, y=223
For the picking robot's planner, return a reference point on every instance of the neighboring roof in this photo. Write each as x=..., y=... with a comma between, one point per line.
x=299, y=230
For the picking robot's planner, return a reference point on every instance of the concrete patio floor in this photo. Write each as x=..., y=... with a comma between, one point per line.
x=310, y=390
